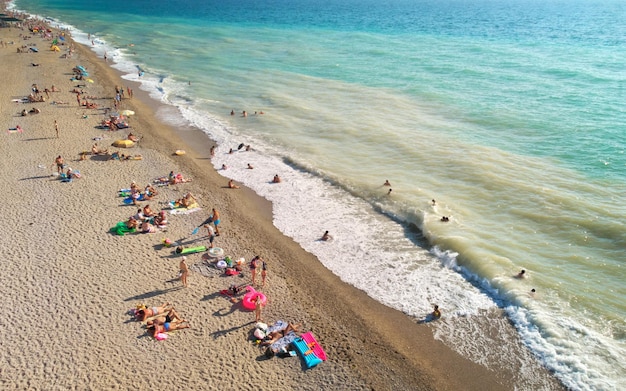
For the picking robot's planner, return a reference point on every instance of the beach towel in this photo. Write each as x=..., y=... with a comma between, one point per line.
x=284, y=341
x=121, y=229
x=183, y=211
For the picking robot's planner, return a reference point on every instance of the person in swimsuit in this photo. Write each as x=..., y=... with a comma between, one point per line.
x=148, y=212
x=436, y=313
x=263, y=273
x=216, y=221
x=278, y=334
x=184, y=271
x=60, y=164
x=326, y=236
x=171, y=317
x=156, y=329
x=253, y=267
x=211, y=233
x=258, y=306
x=149, y=312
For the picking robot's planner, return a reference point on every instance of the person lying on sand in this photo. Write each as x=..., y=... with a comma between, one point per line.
x=149, y=312
x=132, y=223
x=278, y=334
x=186, y=201
x=155, y=329
x=169, y=317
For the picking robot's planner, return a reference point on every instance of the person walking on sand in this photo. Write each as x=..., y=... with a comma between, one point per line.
x=211, y=233
x=184, y=271
x=56, y=127
x=215, y=217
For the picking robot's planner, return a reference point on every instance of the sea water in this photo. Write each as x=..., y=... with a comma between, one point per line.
x=509, y=114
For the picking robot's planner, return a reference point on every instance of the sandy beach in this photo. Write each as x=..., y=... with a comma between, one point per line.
x=69, y=283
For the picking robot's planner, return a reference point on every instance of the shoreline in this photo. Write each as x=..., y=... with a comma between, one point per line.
x=353, y=328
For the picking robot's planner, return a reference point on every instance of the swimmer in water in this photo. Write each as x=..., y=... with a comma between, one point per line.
x=521, y=274
x=387, y=183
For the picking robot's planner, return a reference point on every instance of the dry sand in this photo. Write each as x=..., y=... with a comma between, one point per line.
x=68, y=284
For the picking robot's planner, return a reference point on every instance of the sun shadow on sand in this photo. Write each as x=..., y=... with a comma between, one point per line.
x=35, y=177
x=38, y=138
x=220, y=333
x=154, y=293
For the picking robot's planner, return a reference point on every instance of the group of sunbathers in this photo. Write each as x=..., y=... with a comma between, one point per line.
x=160, y=319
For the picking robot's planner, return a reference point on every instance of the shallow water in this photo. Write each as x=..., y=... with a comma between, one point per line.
x=508, y=115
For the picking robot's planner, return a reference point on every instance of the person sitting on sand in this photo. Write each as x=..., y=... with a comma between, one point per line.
x=147, y=228
x=95, y=150
x=148, y=212
x=156, y=329
x=34, y=110
x=160, y=220
x=276, y=179
x=436, y=313
x=149, y=312
x=231, y=185
x=71, y=174
x=24, y=113
x=278, y=334
x=150, y=190
x=177, y=178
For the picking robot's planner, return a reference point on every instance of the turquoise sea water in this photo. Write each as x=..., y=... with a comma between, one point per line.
x=509, y=113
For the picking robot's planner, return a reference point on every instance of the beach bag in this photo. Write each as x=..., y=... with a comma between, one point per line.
x=259, y=334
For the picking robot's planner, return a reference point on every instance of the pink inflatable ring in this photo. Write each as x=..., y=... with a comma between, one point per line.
x=249, y=298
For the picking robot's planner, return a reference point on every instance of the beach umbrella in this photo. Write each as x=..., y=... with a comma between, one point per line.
x=123, y=143
x=127, y=112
